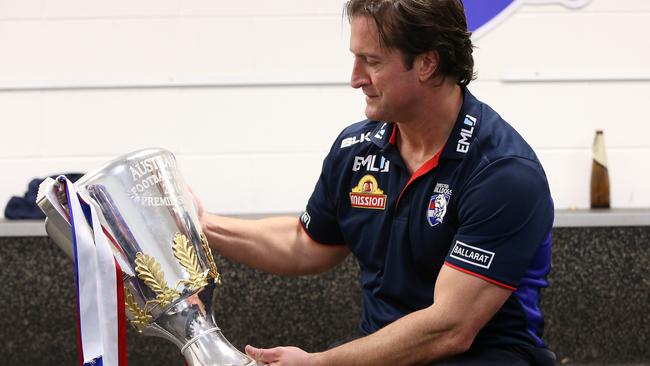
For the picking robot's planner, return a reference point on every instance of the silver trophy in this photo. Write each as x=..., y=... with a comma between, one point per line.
x=169, y=272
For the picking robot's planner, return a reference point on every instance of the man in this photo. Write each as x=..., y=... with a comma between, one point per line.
x=445, y=206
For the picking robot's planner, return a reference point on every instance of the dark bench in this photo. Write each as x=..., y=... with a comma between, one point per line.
x=597, y=308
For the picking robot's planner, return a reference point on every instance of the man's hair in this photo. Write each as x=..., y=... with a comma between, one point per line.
x=417, y=26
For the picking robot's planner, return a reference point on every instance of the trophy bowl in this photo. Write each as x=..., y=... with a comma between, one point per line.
x=169, y=274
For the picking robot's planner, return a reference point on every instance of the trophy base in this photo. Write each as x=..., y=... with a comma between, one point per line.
x=190, y=325
x=211, y=348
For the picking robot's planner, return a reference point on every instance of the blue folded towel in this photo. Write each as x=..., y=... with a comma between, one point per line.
x=25, y=208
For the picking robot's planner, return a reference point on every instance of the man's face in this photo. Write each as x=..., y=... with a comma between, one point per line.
x=389, y=87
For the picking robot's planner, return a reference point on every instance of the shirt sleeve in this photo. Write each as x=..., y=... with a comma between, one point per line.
x=505, y=214
x=319, y=218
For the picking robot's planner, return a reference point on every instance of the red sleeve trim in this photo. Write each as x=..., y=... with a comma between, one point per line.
x=481, y=277
x=312, y=238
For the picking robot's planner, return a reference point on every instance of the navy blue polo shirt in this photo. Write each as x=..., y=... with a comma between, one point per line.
x=481, y=206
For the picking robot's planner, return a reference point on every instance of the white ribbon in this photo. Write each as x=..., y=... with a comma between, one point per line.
x=86, y=273
x=96, y=284
x=106, y=293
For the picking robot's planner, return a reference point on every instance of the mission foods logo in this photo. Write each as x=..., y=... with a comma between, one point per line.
x=367, y=194
x=472, y=255
x=484, y=15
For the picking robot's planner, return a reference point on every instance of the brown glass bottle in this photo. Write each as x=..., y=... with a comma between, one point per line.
x=599, y=173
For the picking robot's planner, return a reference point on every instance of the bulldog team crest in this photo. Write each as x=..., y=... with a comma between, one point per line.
x=438, y=204
x=367, y=194
x=483, y=15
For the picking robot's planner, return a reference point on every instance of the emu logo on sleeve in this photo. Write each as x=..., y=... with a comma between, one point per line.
x=472, y=255
x=367, y=194
x=438, y=204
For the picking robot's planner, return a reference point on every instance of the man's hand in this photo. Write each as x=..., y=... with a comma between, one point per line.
x=280, y=356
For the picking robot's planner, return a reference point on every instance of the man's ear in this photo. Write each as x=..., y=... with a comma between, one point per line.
x=427, y=65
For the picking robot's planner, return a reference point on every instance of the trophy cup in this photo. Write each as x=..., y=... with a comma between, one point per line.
x=169, y=273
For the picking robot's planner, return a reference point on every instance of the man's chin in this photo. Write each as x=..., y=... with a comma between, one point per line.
x=372, y=114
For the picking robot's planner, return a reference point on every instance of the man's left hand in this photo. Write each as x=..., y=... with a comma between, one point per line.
x=280, y=356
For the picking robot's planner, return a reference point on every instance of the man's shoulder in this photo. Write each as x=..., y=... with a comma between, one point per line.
x=498, y=148
x=365, y=126
x=498, y=139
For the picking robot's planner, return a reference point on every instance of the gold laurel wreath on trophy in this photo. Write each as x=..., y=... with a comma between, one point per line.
x=140, y=317
x=186, y=256
x=213, y=266
x=149, y=271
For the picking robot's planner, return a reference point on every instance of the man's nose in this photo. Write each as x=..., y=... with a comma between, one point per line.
x=359, y=76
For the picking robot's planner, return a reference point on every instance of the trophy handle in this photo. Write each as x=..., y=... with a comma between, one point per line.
x=61, y=237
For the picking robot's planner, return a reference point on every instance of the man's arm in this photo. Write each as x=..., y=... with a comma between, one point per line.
x=463, y=304
x=276, y=245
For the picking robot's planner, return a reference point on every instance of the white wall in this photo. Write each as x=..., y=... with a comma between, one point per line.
x=250, y=95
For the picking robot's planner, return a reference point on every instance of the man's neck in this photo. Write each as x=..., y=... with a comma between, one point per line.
x=420, y=138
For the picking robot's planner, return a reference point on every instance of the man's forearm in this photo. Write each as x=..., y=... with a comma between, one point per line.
x=259, y=244
x=416, y=339
x=275, y=245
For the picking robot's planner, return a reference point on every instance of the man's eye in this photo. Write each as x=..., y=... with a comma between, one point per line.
x=365, y=60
